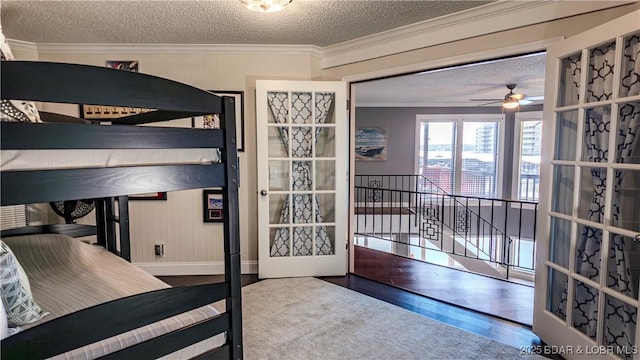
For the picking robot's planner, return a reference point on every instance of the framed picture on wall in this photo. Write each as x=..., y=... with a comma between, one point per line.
x=127, y=65
x=371, y=144
x=149, y=196
x=212, y=206
x=213, y=121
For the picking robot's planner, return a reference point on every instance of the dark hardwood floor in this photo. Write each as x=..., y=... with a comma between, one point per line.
x=496, y=297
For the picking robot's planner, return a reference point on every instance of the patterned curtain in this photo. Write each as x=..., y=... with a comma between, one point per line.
x=301, y=175
x=619, y=317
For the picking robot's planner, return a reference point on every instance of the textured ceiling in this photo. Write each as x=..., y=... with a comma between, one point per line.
x=457, y=86
x=303, y=22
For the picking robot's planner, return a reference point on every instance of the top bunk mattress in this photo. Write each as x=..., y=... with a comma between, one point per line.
x=22, y=160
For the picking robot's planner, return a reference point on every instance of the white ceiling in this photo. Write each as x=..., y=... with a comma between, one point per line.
x=304, y=22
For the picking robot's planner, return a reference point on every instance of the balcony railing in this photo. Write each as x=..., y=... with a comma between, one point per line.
x=529, y=187
x=472, y=182
x=481, y=183
x=413, y=210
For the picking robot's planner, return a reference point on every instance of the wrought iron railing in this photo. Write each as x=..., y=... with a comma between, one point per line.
x=400, y=208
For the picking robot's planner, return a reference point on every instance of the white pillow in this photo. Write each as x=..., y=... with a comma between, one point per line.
x=19, y=305
x=24, y=280
x=4, y=324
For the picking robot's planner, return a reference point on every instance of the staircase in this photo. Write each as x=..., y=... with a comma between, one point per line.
x=478, y=233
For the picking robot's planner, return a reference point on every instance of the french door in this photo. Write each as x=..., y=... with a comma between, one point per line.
x=302, y=178
x=588, y=261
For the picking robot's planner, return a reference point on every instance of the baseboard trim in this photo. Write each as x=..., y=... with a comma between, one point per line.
x=195, y=268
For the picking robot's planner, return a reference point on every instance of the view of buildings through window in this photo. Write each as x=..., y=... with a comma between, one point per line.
x=479, y=159
x=530, y=147
x=472, y=168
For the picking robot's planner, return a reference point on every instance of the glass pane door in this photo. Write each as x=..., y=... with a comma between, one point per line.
x=589, y=268
x=303, y=159
x=303, y=134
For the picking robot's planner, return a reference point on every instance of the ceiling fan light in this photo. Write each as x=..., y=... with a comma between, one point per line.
x=266, y=5
x=510, y=104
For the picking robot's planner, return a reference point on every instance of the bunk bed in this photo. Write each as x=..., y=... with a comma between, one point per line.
x=110, y=186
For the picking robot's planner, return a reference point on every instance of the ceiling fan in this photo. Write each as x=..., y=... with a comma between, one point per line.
x=512, y=100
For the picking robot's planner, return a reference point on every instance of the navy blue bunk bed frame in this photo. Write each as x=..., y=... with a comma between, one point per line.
x=83, y=84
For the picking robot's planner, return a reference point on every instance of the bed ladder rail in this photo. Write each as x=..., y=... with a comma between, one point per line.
x=176, y=340
x=106, y=221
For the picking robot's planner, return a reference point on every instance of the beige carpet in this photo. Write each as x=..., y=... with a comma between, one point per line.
x=307, y=318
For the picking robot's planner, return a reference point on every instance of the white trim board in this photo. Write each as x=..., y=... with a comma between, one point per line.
x=22, y=45
x=493, y=17
x=195, y=268
x=455, y=60
x=188, y=49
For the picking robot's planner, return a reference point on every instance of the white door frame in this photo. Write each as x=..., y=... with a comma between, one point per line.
x=312, y=264
x=352, y=175
x=528, y=47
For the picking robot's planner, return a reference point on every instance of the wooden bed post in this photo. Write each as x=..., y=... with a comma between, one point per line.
x=110, y=224
x=232, y=226
x=123, y=227
x=101, y=223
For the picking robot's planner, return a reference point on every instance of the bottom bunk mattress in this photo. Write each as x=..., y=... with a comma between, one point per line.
x=66, y=275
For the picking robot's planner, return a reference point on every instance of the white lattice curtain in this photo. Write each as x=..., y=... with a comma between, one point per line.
x=300, y=142
x=619, y=317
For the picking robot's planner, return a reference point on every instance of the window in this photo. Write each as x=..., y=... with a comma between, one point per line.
x=13, y=216
x=437, y=141
x=460, y=153
x=479, y=159
x=528, y=144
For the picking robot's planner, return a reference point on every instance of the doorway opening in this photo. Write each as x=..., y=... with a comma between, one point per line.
x=445, y=173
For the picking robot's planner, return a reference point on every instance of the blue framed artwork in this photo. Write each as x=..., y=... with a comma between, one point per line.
x=371, y=144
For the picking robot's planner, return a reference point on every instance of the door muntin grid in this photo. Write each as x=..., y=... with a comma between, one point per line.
x=598, y=149
x=304, y=123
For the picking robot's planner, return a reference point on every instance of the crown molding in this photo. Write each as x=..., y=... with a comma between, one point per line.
x=175, y=49
x=493, y=17
x=22, y=45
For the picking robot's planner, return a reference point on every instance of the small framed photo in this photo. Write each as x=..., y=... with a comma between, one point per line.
x=127, y=65
x=149, y=196
x=213, y=208
x=206, y=122
x=213, y=121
